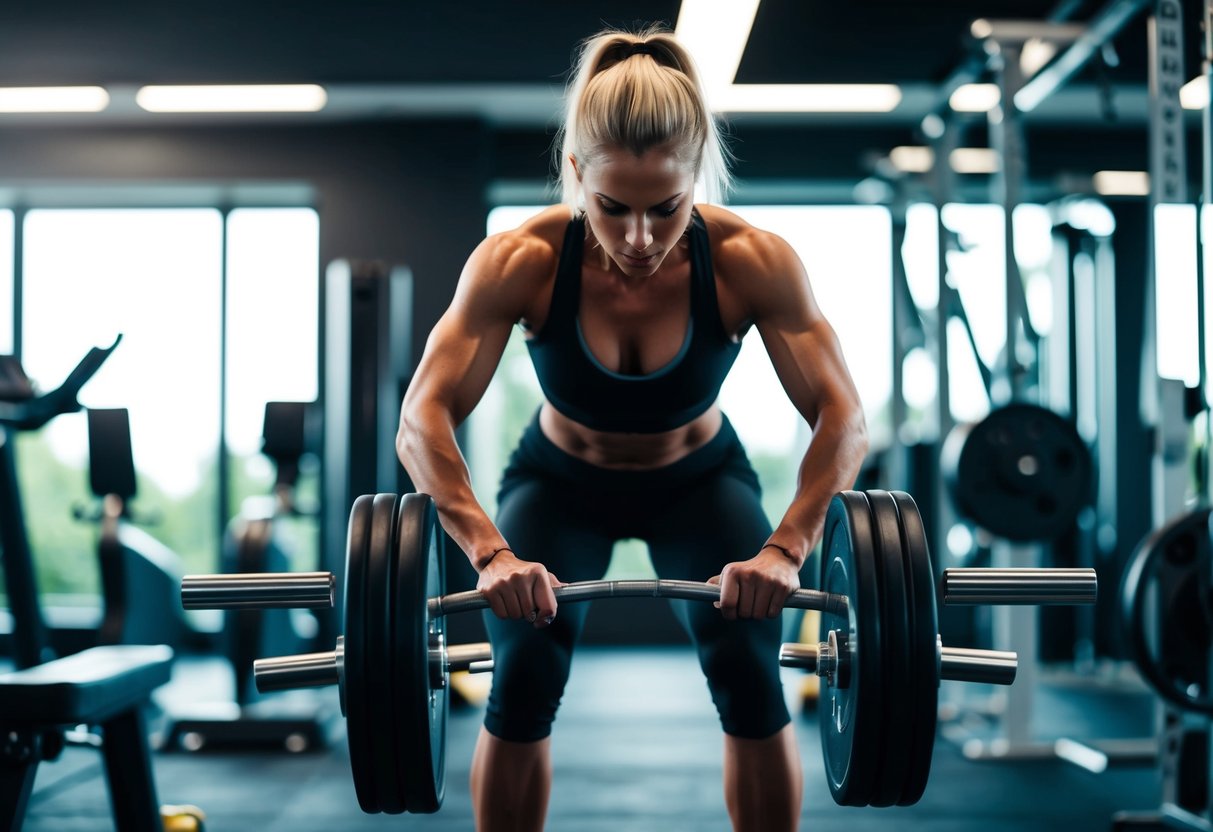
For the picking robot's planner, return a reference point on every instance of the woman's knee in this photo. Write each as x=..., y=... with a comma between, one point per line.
x=530, y=670
x=740, y=660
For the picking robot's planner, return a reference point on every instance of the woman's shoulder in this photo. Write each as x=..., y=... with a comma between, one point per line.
x=739, y=248
x=544, y=230
x=531, y=249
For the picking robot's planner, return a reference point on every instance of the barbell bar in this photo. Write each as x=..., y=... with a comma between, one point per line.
x=960, y=587
x=878, y=633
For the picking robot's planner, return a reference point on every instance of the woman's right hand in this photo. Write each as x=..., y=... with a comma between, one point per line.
x=519, y=589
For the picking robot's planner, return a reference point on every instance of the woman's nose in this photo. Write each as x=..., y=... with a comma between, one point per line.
x=641, y=235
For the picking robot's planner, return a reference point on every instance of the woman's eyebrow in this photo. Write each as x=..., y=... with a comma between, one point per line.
x=617, y=202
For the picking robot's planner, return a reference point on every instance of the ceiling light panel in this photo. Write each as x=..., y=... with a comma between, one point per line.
x=251, y=98
x=53, y=99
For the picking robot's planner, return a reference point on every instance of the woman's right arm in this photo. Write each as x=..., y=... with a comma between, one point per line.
x=498, y=286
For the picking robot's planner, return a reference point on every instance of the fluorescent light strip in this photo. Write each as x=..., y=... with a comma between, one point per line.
x=974, y=160
x=249, y=98
x=918, y=159
x=805, y=98
x=975, y=98
x=1034, y=54
x=1121, y=183
x=912, y=158
x=53, y=99
x=1194, y=95
x=715, y=32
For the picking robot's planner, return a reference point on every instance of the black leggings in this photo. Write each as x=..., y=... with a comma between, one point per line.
x=696, y=515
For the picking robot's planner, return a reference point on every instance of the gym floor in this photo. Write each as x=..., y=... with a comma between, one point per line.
x=636, y=747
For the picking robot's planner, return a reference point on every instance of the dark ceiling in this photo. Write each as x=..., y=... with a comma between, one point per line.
x=522, y=41
x=505, y=62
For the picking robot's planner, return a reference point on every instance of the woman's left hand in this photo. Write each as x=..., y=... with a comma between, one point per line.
x=758, y=587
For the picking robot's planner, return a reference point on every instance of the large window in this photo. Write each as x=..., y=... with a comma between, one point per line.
x=1176, y=309
x=6, y=282
x=157, y=278
x=273, y=301
x=846, y=253
x=976, y=269
x=154, y=277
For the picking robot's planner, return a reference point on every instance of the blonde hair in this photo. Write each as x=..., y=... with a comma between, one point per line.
x=619, y=97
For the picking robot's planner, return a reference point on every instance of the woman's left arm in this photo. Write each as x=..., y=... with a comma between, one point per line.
x=808, y=359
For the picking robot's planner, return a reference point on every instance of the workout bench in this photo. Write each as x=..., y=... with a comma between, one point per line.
x=103, y=686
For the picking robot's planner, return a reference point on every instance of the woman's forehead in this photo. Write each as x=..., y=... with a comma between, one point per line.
x=657, y=168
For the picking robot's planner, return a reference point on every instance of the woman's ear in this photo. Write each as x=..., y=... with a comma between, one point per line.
x=576, y=168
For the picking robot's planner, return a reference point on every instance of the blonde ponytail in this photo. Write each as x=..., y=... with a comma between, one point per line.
x=639, y=91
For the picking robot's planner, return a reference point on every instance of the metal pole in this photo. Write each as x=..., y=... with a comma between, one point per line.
x=272, y=590
x=1033, y=586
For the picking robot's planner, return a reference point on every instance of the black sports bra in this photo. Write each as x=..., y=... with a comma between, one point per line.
x=580, y=387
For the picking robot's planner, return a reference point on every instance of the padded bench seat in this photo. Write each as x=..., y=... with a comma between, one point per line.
x=86, y=687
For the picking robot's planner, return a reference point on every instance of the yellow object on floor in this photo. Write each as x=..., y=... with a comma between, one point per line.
x=810, y=685
x=183, y=818
x=472, y=688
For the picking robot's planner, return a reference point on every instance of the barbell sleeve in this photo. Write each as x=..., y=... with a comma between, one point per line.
x=956, y=664
x=805, y=599
x=993, y=667
x=1034, y=587
x=474, y=658
x=307, y=670
x=258, y=590
x=803, y=656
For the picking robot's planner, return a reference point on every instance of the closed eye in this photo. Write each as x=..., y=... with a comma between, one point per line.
x=616, y=209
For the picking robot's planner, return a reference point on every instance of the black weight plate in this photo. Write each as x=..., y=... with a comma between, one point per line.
x=380, y=699
x=850, y=728
x=896, y=651
x=1022, y=473
x=924, y=634
x=1171, y=565
x=355, y=690
x=425, y=707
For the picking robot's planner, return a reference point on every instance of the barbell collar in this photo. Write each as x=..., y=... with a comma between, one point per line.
x=805, y=599
x=306, y=670
x=829, y=659
x=258, y=590
x=1033, y=587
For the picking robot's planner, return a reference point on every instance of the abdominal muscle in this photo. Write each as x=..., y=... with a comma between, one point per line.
x=628, y=451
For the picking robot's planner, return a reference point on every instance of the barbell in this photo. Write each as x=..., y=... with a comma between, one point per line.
x=880, y=655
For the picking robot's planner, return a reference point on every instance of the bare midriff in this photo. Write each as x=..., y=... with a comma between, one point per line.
x=628, y=451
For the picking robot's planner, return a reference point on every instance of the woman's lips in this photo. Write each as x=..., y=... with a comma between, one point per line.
x=640, y=262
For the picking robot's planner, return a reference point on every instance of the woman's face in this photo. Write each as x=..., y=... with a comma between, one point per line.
x=637, y=206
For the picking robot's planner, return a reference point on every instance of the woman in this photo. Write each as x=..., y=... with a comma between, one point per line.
x=634, y=309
